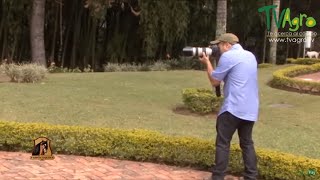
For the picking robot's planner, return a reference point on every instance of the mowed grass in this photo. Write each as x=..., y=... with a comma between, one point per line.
x=288, y=121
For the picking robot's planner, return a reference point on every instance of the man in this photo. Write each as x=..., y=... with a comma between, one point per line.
x=237, y=68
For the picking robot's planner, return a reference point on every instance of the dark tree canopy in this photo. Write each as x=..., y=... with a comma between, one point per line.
x=78, y=33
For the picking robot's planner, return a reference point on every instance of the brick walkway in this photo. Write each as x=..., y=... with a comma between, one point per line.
x=310, y=77
x=17, y=165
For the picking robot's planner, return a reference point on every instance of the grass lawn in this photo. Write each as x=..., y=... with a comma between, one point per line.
x=288, y=121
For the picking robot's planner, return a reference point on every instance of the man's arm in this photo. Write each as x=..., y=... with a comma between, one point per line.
x=205, y=60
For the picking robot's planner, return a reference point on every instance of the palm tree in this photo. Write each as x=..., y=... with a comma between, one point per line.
x=221, y=17
x=221, y=27
x=263, y=21
x=36, y=32
x=274, y=30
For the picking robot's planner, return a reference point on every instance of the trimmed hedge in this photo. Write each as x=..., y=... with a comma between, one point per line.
x=25, y=73
x=145, y=145
x=303, y=61
x=201, y=100
x=284, y=77
x=265, y=65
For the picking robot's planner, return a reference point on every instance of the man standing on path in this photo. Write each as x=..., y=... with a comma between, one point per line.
x=237, y=68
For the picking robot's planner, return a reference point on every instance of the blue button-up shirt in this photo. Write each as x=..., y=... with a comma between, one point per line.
x=237, y=68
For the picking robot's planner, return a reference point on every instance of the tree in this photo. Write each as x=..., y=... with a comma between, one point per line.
x=221, y=27
x=221, y=17
x=37, y=32
x=263, y=21
x=274, y=30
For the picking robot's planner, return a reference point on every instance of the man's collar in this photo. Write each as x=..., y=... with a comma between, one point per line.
x=236, y=47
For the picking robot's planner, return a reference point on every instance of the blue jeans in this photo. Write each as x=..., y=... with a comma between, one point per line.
x=226, y=125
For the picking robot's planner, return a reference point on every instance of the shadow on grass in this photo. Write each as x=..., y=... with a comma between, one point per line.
x=182, y=110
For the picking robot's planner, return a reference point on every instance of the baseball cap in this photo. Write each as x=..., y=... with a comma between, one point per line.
x=227, y=37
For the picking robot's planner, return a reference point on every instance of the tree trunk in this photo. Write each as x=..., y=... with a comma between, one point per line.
x=263, y=21
x=93, y=44
x=264, y=46
x=37, y=32
x=221, y=20
x=54, y=39
x=221, y=17
x=288, y=44
x=61, y=36
x=274, y=30
x=221, y=29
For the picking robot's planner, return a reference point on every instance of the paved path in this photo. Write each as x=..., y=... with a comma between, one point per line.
x=310, y=77
x=17, y=165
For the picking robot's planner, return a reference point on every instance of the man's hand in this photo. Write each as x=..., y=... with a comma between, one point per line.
x=204, y=58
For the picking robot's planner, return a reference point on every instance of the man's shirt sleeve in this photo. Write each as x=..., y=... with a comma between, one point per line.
x=224, y=66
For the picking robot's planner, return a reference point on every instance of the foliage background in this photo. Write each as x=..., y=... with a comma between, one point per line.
x=95, y=32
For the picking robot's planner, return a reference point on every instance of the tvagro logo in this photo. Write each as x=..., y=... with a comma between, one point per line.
x=42, y=149
x=285, y=18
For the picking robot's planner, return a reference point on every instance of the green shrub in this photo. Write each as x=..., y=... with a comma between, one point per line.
x=13, y=71
x=184, y=63
x=87, y=69
x=151, y=146
x=55, y=69
x=174, y=64
x=144, y=67
x=28, y=73
x=75, y=70
x=303, y=61
x=128, y=67
x=284, y=77
x=112, y=67
x=277, y=165
x=265, y=65
x=160, y=66
x=201, y=100
x=33, y=73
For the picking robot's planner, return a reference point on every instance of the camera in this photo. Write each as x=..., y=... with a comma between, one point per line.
x=212, y=50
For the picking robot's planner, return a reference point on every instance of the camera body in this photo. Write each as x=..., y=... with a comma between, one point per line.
x=212, y=50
